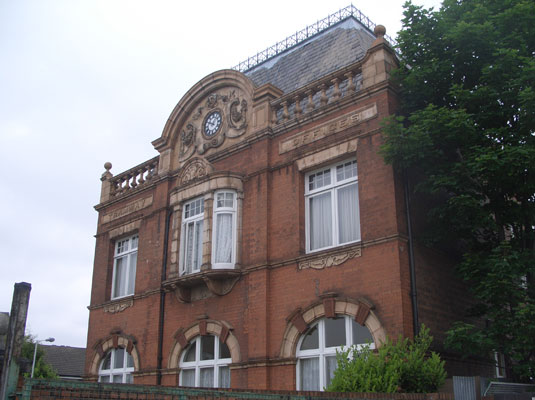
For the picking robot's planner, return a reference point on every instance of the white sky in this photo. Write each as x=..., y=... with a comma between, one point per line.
x=83, y=82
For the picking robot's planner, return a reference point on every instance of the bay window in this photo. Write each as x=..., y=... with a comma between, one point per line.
x=192, y=236
x=224, y=231
x=332, y=206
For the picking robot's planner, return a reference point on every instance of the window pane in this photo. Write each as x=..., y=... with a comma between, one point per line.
x=129, y=378
x=118, y=378
x=330, y=366
x=309, y=371
x=207, y=377
x=132, y=273
x=118, y=361
x=129, y=361
x=120, y=276
x=223, y=244
x=335, y=332
x=104, y=378
x=134, y=242
x=188, y=377
x=107, y=362
x=223, y=350
x=207, y=347
x=190, y=353
x=224, y=377
x=198, y=245
x=189, y=246
x=311, y=340
x=319, y=179
x=346, y=171
x=361, y=334
x=320, y=221
x=348, y=214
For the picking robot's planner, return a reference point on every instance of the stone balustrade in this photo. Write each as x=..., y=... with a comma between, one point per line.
x=134, y=178
x=318, y=94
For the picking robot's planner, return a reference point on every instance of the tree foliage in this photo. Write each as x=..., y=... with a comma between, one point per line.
x=42, y=368
x=401, y=366
x=467, y=131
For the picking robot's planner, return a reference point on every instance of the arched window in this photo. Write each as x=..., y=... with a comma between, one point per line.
x=116, y=367
x=316, y=350
x=204, y=363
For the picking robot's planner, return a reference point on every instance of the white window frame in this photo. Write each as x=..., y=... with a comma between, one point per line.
x=125, y=372
x=322, y=352
x=216, y=363
x=500, y=364
x=224, y=210
x=333, y=187
x=125, y=249
x=195, y=219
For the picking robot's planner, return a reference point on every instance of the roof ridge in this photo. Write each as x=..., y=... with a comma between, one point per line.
x=306, y=33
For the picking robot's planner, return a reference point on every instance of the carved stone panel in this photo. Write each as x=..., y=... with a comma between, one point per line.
x=330, y=260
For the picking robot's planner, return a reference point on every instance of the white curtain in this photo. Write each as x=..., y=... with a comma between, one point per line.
x=198, y=245
x=223, y=243
x=188, y=259
x=188, y=378
x=132, y=273
x=330, y=366
x=348, y=214
x=320, y=221
x=224, y=377
x=207, y=377
x=310, y=375
x=120, y=276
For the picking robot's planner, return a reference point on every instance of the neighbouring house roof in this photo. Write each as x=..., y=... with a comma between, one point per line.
x=330, y=50
x=67, y=361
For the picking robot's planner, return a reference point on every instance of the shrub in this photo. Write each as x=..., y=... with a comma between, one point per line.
x=400, y=366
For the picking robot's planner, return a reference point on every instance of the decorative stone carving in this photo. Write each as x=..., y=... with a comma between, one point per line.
x=187, y=142
x=330, y=260
x=233, y=107
x=237, y=115
x=118, y=306
x=196, y=168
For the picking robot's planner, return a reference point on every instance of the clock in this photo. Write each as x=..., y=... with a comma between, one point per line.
x=212, y=123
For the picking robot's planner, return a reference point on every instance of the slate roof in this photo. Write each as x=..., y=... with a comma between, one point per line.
x=332, y=49
x=67, y=361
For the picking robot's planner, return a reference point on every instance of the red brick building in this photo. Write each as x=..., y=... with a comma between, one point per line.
x=268, y=231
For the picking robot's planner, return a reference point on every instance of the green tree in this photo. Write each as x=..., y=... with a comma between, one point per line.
x=42, y=368
x=401, y=366
x=466, y=138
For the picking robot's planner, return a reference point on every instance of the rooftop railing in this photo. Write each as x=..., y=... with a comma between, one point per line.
x=304, y=34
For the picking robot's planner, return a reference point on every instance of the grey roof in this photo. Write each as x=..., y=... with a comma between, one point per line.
x=334, y=48
x=67, y=361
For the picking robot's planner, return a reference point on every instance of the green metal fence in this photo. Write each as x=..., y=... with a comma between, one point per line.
x=39, y=389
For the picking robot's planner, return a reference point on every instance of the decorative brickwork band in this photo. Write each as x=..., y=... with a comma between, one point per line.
x=362, y=313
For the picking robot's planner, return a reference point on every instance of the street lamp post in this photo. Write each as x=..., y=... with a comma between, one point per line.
x=50, y=339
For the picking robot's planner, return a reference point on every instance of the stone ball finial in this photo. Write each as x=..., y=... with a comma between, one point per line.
x=107, y=165
x=379, y=30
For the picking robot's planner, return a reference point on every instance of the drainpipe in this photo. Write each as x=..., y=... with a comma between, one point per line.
x=414, y=295
x=162, y=298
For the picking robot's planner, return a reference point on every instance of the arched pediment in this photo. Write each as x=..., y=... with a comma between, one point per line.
x=211, y=115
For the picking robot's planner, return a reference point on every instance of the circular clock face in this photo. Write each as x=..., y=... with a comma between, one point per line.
x=212, y=123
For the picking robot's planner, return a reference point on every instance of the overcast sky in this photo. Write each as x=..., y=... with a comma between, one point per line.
x=85, y=82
